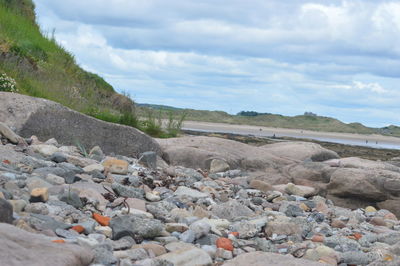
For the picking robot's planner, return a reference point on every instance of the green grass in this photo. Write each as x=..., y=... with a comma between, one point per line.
x=43, y=68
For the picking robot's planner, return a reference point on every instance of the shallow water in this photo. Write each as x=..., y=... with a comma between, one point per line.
x=365, y=142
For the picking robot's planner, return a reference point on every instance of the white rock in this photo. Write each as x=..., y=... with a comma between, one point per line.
x=44, y=149
x=55, y=179
x=188, y=192
x=93, y=167
x=188, y=257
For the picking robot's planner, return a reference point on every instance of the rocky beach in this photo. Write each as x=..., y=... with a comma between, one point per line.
x=78, y=191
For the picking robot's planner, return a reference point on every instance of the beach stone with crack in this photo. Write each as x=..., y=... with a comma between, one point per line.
x=6, y=211
x=135, y=226
x=231, y=210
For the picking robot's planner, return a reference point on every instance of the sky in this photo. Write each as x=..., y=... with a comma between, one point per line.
x=335, y=58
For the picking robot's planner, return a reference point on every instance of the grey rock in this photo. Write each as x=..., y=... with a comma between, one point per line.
x=135, y=227
x=246, y=229
x=231, y=210
x=188, y=236
x=37, y=207
x=123, y=243
x=44, y=119
x=356, y=258
x=96, y=154
x=68, y=234
x=259, y=258
x=187, y=256
x=294, y=211
x=342, y=244
x=43, y=222
x=103, y=254
x=200, y=228
x=149, y=159
x=6, y=211
x=185, y=192
x=71, y=198
x=161, y=210
x=209, y=239
x=19, y=247
x=6, y=132
x=125, y=191
x=58, y=157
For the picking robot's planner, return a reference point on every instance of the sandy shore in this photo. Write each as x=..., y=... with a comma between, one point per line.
x=372, y=140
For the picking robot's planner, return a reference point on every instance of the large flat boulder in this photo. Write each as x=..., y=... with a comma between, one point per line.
x=301, y=151
x=19, y=247
x=46, y=119
x=199, y=151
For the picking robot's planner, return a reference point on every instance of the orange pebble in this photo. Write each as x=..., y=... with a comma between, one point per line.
x=58, y=241
x=357, y=236
x=78, y=228
x=317, y=238
x=103, y=220
x=235, y=234
x=224, y=243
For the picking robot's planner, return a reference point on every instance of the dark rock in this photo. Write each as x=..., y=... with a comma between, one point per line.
x=44, y=119
x=129, y=192
x=43, y=222
x=58, y=157
x=149, y=159
x=135, y=227
x=294, y=211
x=103, y=254
x=71, y=198
x=6, y=211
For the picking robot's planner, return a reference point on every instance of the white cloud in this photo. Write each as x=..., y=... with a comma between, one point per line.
x=287, y=55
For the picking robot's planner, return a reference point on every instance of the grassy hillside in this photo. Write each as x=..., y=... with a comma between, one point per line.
x=306, y=122
x=42, y=68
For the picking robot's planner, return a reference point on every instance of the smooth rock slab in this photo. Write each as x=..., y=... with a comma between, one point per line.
x=231, y=210
x=259, y=258
x=188, y=192
x=187, y=257
x=19, y=247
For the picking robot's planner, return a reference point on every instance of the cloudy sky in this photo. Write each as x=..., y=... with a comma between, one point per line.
x=334, y=58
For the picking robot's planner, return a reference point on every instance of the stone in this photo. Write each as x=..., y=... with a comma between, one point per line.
x=37, y=207
x=44, y=149
x=189, y=193
x=129, y=192
x=116, y=166
x=218, y=165
x=188, y=236
x=393, y=205
x=370, y=209
x=187, y=257
x=200, y=228
x=176, y=227
x=39, y=195
x=135, y=226
x=104, y=230
x=71, y=198
x=224, y=243
x=58, y=157
x=152, y=196
x=156, y=249
x=336, y=223
x=102, y=220
x=6, y=212
x=93, y=167
x=132, y=254
x=6, y=132
x=231, y=210
x=259, y=258
x=138, y=204
x=283, y=228
x=224, y=254
x=18, y=205
x=44, y=118
x=96, y=154
x=103, y=255
x=260, y=185
x=303, y=191
x=19, y=247
x=55, y=180
x=148, y=159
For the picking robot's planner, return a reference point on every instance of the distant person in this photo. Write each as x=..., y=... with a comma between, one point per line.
x=376, y=142
x=274, y=136
x=366, y=141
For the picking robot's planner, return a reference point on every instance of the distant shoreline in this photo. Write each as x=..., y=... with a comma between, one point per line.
x=367, y=140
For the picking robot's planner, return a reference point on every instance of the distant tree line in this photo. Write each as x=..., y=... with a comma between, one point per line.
x=251, y=113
